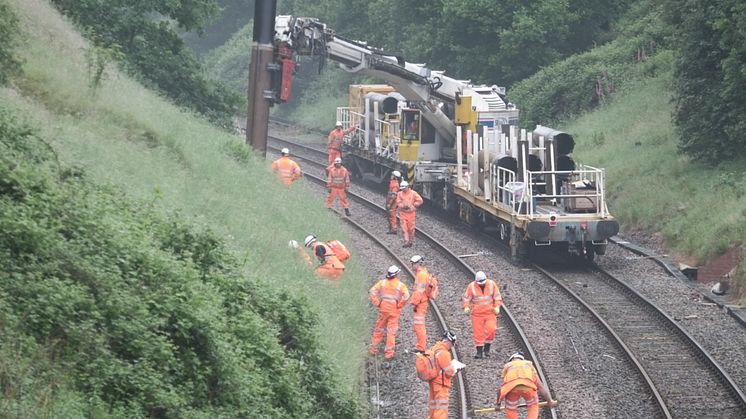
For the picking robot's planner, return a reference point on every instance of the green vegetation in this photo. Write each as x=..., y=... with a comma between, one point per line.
x=9, y=34
x=700, y=209
x=143, y=273
x=144, y=33
x=710, y=77
x=229, y=63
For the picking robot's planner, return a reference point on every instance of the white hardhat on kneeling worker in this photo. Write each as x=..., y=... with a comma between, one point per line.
x=309, y=240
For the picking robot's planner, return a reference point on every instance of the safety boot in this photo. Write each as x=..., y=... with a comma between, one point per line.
x=391, y=232
x=347, y=212
x=487, y=350
x=479, y=354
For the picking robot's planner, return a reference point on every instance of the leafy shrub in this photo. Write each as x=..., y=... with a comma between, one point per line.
x=8, y=33
x=144, y=314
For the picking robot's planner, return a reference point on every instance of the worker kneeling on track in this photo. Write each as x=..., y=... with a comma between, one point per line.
x=483, y=300
x=520, y=381
x=425, y=289
x=390, y=295
x=439, y=356
x=338, y=180
x=407, y=202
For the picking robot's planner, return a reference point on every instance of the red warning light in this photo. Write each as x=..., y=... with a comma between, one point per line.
x=552, y=221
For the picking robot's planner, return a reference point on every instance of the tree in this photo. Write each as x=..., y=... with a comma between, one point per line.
x=710, y=77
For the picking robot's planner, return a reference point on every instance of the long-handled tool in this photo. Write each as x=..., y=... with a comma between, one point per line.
x=501, y=407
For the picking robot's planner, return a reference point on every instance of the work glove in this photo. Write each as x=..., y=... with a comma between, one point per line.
x=497, y=310
x=467, y=310
x=329, y=190
x=405, y=208
x=414, y=307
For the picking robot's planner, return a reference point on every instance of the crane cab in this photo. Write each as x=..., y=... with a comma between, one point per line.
x=411, y=134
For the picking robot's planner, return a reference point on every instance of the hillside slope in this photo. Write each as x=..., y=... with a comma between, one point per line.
x=181, y=168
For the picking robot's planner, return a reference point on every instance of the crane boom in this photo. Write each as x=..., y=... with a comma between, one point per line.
x=427, y=89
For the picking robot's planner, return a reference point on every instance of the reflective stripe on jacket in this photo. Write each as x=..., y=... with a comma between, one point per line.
x=286, y=168
x=483, y=301
x=409, y=199
x=421, y=281
x=518, y=373
x=443, y=358
x=338, y=177
x=389, y=294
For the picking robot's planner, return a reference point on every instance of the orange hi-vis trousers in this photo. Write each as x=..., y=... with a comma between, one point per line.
x=407, y=225
x=483, y=328
x=333, y=154
x=333, y=194
x=438, y=404
x=420, y=315
x=390, y=323
x=513, y=399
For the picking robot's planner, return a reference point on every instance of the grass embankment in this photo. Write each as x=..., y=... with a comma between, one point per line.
x=125, y=135
x=700, y=210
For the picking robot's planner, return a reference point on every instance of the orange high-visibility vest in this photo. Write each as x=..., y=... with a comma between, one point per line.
x=518, y=373
x=389, y=294
x=338, y=177
x=286, y=169
x=443, y=358
x=408, y=198
x=421, y=281
x=485, y=301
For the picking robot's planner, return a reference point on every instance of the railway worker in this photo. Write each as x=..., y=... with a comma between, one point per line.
x=330, y=267
x=407, y=202
x=483, y=300
x=390, y=198
x=440, y=386
x=286, y=169
x=338, y=180
x=390, y=295
x=425, y=289
x=520, y=381
x=335, y=140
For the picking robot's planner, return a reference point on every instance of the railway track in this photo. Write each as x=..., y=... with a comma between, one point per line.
x=664, y=370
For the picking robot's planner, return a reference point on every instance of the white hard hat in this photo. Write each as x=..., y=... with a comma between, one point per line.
x=516, y=355
x=416, y=259
x=293, y=244
x=338, y=160
x=338, y=124
x=309, y=240
x=480, y=277
x=285, y=151
x=396, y=173
x=404, y=184
x=393, y=271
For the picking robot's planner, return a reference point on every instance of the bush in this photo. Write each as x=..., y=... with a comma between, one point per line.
x=144, y=314
x=9, y=34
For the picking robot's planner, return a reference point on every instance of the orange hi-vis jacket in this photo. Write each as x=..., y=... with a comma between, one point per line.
x=389, y=295
x=287, y=170
x=443, y=358
x=327, y=250
x=393, y=191
x=484, y=302
x=518, y=373
x=409, y=199
x=338, y=178
x=421, y=281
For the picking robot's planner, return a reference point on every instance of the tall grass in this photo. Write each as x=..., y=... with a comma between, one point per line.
x=700, y=209
x=131, y=137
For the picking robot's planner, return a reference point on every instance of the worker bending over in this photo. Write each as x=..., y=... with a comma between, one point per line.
x=440, y=386
x=425, y=289
x=520, y=381
x=286, y=169
x=390, y=198
x=407, y=202
x=330, y=264
x=335, y=140
x=390, y=295
x=483, y=300
x=338, y=180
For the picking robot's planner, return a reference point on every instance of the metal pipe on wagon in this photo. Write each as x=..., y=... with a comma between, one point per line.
x=459, y=158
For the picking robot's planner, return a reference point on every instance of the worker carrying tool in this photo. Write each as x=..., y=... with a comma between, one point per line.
x=390, y=295
x=425, y=289
x=437, y=367
x=286, y=169
x=338, y=180
x=482, y=300
x=390, y=198
x=330, y=256
x=407, y=202
x=335, y=140
x=520, y=381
